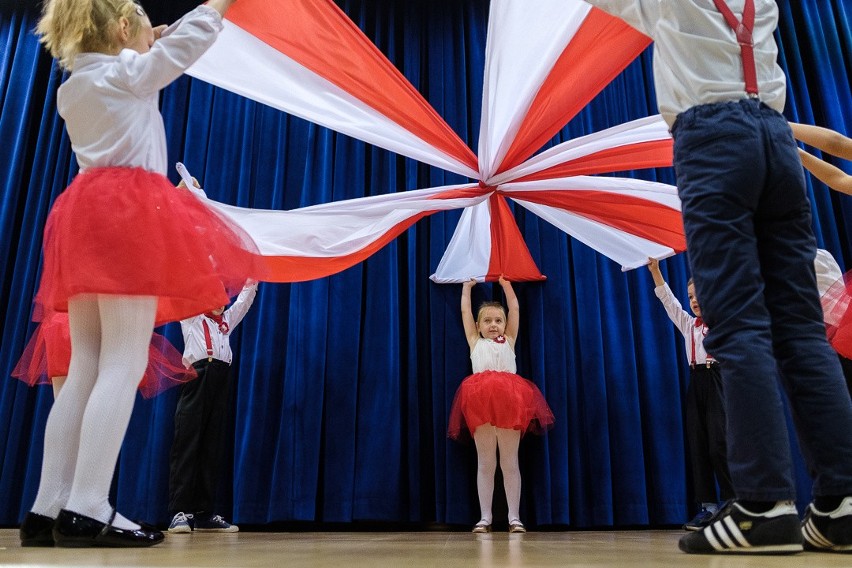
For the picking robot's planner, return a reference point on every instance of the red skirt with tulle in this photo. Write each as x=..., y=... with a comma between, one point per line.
x=505, y=400
x=838, y=317
x=48, y=354
x=130, y=232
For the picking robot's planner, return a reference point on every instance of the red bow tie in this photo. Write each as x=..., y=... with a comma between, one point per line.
x=223, y=325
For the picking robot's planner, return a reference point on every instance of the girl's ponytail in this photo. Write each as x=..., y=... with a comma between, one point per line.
x=70, y=27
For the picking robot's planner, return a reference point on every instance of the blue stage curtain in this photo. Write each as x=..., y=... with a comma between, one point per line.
x=342, y=385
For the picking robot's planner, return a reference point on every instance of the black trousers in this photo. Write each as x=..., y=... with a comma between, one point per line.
x=846, y=365
x=705, y=436
x=196, y=454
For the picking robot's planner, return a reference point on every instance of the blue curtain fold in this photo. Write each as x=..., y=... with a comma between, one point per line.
x=342, y=386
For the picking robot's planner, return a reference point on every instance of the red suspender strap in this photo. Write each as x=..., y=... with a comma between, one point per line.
x=743, y=30
x=692, y=362
x=208, y=341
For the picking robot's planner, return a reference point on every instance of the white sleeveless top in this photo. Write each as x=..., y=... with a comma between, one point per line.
x=488, y=355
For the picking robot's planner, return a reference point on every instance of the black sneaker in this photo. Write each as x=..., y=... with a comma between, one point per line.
x=700, y=520
x=830, y=532
x=214, y=523
x=735, y=530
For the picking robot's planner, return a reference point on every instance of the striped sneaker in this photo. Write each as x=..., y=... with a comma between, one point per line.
x=830, y=532
x=735, y=530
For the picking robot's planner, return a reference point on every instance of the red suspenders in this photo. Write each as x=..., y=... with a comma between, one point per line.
x=743, y=29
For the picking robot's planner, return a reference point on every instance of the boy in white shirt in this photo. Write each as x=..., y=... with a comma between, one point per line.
x=194, y=463
x=705, y=405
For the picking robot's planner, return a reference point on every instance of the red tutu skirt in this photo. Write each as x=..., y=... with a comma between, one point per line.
x=503, y=399
x=838, y=316
x=130, y=232
x=48, y=354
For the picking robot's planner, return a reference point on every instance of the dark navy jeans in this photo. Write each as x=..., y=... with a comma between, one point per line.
x=751, y=248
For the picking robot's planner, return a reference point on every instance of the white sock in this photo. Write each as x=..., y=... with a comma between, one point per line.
x=62, y=434
x=486, y=456
x=508, y=441
x=126, y=325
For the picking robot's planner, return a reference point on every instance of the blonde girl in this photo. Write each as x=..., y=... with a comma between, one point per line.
x=123, y=251
x=494, y=403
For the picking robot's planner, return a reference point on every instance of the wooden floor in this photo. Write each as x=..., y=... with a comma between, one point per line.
x=405, y=550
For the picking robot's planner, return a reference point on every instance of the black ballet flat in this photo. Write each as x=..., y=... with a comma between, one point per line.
x=36, y=530
x=73, y=530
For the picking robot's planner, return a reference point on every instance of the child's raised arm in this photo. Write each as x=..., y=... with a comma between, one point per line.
x=468, y=322
x=830, y=175
x=220, y=6
x=654, y=267
x=513, y=318
x=825, y=139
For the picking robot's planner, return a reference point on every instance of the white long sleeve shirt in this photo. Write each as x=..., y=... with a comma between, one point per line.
x=195, y=343
x=693, y=335
x=696, y=55
x=828, y=273
x=110, y=102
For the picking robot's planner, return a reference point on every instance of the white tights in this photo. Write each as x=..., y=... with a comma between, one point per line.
x=488, y=438
x=86, y=426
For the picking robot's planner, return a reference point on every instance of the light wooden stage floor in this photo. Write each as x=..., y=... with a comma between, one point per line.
x=405, y=550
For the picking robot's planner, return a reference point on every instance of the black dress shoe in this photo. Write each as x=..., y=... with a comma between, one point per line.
x=36, y=530
x=73, y=530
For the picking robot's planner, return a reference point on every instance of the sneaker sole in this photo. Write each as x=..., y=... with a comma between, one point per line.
x=839, y=549
x=180, y=530
x=776, y=549
x=229, y=530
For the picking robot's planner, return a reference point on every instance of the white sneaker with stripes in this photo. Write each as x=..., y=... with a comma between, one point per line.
x=830, y=532
x=736, y=530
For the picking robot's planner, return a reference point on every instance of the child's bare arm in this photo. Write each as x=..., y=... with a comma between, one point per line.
x=830, y=175
x=468, y=322
x=654, y=267
x=220, y=6
x=825, y=139
x=513, y=319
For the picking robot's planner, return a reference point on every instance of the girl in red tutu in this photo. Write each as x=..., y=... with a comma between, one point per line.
x=495, y=404
x=123, y=251
x=48, y=354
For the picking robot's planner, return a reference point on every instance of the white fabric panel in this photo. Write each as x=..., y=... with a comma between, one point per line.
x=525, y=39
x=627, y=250
x=662, y=193
x=469, y=253
x=243, y=64
x=338, y=228
x=637, y=131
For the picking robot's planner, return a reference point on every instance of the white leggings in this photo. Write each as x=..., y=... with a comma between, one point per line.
x=488, y=438
x=110, y=336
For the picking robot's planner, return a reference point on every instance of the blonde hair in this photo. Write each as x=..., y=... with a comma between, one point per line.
x=70, y=27
x=485, y=305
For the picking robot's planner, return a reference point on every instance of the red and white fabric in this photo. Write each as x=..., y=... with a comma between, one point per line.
x=545, y=60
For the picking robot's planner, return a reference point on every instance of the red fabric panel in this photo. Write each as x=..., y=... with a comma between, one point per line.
x=509, y=253
x=640, y=217
x=319, y=36
x=600, y=50
x=302, y=268
x=653, y=154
